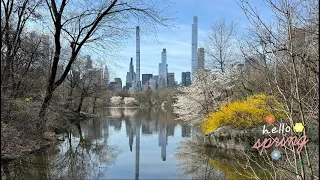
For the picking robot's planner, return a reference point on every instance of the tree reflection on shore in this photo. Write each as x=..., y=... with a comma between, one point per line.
x=194, y=162
x=84, y=157
x=200, y=162
x=79, y=157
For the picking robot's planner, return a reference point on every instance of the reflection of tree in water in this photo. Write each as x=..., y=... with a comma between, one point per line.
x=79, y=157
x=83, y=158
x=116, y=112
x=31, y=167
x=194, y=162
x=201, y=162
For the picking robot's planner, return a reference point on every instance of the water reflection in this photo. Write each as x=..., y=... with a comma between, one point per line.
x=151, y=121
x=103, y=148
x=200, y=162
x=194, y=162
x=81, y=156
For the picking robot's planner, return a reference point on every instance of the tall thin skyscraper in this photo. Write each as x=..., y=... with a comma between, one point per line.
x=138, y=57
x=130, y=76
x=200, y=58
x=163, y=69
x=194, y=47
x=131, y=69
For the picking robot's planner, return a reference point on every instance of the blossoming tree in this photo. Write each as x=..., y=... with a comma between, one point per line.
x=204, y=95
x=128, y=101
x=116, y=100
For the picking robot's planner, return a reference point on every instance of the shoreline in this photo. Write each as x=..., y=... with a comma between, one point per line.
x=27, y=146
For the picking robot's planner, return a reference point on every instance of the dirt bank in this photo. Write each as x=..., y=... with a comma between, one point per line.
x=15, y=143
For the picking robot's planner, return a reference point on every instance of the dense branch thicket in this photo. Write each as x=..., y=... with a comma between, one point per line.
x=280, y=58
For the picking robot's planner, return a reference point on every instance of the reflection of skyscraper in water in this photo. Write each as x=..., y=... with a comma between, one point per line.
x=163, y=140
x=105, y=126
x=138, y=124
x=153, y=126
x=146, y=128
x=116, y=123
x=185, y=130
x=170, y=128
x=129, y=132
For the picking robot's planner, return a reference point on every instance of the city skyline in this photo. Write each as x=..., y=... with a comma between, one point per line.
x=177, y=39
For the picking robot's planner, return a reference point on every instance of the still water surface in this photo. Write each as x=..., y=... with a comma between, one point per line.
x=125, y=143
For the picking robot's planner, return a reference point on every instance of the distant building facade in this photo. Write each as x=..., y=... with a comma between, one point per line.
x=116, y=85
x=88, y=63
x=163, y=69
x=186, y=78
x=146, y=78
x=95, y=76
x=131, y=75
x=146, y=81
x=170, y=80
x=200, y=58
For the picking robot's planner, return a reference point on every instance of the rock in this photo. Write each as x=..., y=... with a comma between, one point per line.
x=50, y=135
x=232, y=138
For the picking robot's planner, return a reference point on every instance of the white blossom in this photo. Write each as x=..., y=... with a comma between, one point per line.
x=116, y=100
x=202, y=97
x=129, y=101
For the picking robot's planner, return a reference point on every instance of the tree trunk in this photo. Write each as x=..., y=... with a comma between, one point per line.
x=94, y=105
x=80, y=132
x=80, y=103
x=69, y=98
x=45, y=105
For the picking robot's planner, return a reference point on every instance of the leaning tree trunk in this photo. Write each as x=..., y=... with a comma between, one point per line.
x=42, y=113
x=80, y=103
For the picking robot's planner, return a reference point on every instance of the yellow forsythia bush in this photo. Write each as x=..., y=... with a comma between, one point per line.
x=245, y=113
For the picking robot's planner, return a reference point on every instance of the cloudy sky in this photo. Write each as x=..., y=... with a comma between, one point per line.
x=177, y=40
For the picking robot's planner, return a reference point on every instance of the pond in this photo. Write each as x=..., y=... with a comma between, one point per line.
x=125, y=143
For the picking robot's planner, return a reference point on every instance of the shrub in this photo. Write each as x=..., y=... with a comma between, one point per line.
x=246, y=113
x=116, y=100
x=129, y=101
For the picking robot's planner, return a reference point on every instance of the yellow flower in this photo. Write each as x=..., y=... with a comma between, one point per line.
x=27, y=99
x=244, y=113
x=298, y=127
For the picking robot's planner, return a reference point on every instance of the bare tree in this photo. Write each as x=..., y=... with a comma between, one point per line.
x=218, y=45
x=85, y=22
x=84, y=83
x=290, y=68
x=14, y=17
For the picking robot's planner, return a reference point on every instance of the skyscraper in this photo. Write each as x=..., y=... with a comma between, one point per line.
x=106, y=74
x=156, y=78
x=130, y=76
x=185, y=78
x=146, y=78
x=163, y=70
x=194, y=47
x=119, y=82
x=138, y=57
x=170, y=80
x=200, y=58
x=88, y=63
